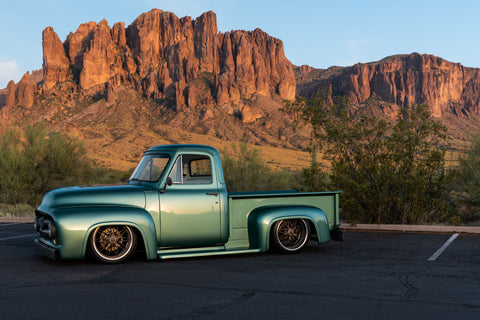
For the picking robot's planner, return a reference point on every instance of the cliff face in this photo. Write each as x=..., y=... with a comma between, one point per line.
x=23, y=93
x=115, y=86
x=55, y=63
x=164, y=56
x=162, y=79
x=402, y=80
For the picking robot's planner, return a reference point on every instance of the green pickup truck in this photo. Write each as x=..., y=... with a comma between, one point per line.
x=175, y=205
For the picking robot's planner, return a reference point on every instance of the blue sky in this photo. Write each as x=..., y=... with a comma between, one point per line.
x=318, y=33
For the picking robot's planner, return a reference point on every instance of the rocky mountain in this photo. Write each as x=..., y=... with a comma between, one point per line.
x=451, y=90
x=166, y=79
x=164, y=56
x=162, y=71
x=403, y=80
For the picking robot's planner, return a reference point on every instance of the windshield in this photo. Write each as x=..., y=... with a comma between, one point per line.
x=150, y=167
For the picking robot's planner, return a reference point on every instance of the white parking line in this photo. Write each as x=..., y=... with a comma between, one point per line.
x=445, y=245
x=7, y=224
x=9, y=238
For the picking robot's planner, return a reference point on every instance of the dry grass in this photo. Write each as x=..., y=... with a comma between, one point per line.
x=123, y=155
x=16, y=210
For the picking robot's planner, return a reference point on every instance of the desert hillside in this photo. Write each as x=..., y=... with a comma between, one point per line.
x=162, y=79
x=165, y=79
x=451, y=90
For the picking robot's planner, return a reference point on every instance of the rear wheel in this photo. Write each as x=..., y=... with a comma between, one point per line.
x=290, y=235
x=112, y=244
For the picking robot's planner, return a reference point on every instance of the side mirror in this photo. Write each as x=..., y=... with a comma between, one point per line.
x=169, y=182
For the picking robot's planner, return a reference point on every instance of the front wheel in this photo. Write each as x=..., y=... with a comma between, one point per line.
x=290, y=235
x=112, y=244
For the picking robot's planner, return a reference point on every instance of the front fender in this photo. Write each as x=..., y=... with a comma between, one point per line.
x=74, y=226
x=261, y=220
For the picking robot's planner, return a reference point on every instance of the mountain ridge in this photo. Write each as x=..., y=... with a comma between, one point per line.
x=165, y=79
x=451, y=90
x=186, y=74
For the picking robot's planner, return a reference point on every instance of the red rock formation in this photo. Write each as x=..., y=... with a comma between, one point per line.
x=111, y=93
x=100, y=60
x=10, y=99
x=25, y=91
x=76, y=45
x=55, y=62
x=162, y=55
x=118, y=34
x=252, y=62
x=250, y=115
x=407, y=80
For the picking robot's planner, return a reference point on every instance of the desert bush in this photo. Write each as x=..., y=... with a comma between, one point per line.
x=33, y=161
x=467, y=184
x=314, y=178
x=245, y=170
x=389, y=171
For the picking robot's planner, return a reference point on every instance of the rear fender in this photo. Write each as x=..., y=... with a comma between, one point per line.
x=261, y=220
x=74, y=226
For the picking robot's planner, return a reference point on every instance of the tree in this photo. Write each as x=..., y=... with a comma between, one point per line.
x=245, y=170
x=314, y=112
x=468, y=182
x=389, y=171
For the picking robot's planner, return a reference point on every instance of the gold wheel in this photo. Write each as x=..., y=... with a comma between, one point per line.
x=113, y=244
x=290, y=235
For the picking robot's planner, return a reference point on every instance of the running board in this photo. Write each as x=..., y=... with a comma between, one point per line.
x=200, y=252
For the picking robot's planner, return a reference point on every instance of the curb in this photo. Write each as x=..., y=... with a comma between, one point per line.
x=409, y=228
x=17, y=219
x=343, y=226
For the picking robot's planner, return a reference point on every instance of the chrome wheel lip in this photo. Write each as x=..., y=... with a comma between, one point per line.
x=125, y=249
x=290, y=233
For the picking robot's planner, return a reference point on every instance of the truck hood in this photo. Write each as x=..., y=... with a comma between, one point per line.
x=95, y=195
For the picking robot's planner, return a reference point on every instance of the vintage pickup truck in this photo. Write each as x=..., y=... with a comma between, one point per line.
x=176, y=204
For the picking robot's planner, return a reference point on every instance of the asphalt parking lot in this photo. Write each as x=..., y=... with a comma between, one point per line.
x=370, y=275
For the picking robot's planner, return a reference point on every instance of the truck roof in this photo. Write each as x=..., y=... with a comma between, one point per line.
x=183, y=147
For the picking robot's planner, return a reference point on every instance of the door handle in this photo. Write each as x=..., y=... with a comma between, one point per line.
x=212, y=194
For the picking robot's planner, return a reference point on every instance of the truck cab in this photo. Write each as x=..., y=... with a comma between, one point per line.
x=196, y=198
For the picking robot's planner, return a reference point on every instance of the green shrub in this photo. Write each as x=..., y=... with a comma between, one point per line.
x=389, y=171
x=467, y=184
x=33, y=162
x=245, y=170
x=314, y=178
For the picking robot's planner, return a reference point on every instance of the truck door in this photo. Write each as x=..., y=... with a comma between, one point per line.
x=190, y=208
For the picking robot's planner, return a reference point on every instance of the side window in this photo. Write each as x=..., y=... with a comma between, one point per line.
x=192, y=169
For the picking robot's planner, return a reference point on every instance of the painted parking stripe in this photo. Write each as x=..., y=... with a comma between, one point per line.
x=445, y=245
x=7, y=224
x=9, y=238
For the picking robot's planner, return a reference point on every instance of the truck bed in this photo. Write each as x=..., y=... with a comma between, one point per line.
x=242, y=203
